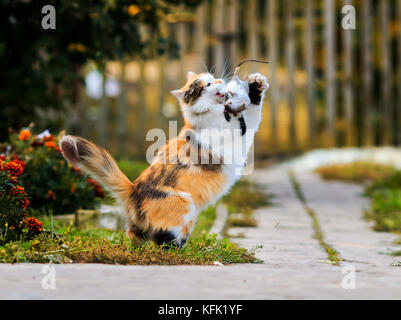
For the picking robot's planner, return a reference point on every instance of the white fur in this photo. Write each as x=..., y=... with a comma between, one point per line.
x=215, y=134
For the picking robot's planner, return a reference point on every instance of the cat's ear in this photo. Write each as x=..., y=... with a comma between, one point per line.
x=191, y=74
x=177, y=93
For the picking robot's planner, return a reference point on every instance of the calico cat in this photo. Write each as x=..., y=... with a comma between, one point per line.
x=188, y=174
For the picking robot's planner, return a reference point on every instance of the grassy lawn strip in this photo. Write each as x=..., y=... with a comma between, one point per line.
x=244, y=197
x=332, y=253
x=357, y=172
x=69, y=244
x=110, y=247
x=82, y=241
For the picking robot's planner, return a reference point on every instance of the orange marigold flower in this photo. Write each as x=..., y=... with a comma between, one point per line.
x=34, y=225
x=133, y=10
x=15, y=191
x=50, y=144
x=22, y=163
x=24, y=135
x=25, y=203
x=77, y=170
x=49, y=138
x=14, y=168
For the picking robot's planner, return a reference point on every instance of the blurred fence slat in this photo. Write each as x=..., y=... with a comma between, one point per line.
x=122, y=112
x=330, y=70
x=233, y=31
x=272, y=41
x=310, y=60
x=102, y=131
x=367, y=73
x=348, y=90
x=200, y=37
x=398, y=137
x=290, y=48
x=386, y=126
x=252, y=33
x=218, y=23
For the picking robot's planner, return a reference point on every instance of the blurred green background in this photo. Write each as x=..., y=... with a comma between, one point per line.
x=107, y=69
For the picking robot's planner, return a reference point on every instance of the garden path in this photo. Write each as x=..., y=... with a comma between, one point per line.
x=295, y=265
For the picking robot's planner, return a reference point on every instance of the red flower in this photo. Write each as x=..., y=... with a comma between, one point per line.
x=37, y=143
x=22, y=163
x=49, y=138
x=96, y=187
x=15, y=191
x=13, y=168
x=34, y=225
x=24, y=134
x=51, y=194
x=77, y=170
x=25, y=203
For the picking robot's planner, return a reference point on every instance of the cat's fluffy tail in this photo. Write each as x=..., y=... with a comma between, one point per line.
x=97, y=162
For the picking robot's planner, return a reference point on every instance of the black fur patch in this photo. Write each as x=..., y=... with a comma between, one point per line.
x=142, y=191
x=207, y=164
x=183, y=242
x=255, y=94
x=194, y=92
x=242, y=124
x=227, y=115
x=163, y=237
x=139, y=233
x=170, y=178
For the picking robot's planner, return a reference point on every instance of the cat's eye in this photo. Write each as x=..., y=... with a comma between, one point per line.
x=208, y=85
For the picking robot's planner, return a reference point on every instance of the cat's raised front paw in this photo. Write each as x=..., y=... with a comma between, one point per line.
x=257, y=85
x=258, y=81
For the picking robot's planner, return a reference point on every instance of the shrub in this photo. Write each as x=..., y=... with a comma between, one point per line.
x=50, y=182
x=14, y=222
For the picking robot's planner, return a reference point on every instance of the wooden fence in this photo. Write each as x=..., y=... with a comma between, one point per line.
x=329, y=86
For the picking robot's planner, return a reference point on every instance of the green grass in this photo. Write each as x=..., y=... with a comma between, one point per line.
x=246, y=196
x=385, y=209
x=108, y=247
x=332, y=253
x=356, y=172
x=132, y=169
x=64, y=243
x=205, y=222
x=243, y=221
x=79, y=239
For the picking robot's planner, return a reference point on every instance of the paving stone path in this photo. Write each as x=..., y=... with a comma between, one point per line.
x=295, y=265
